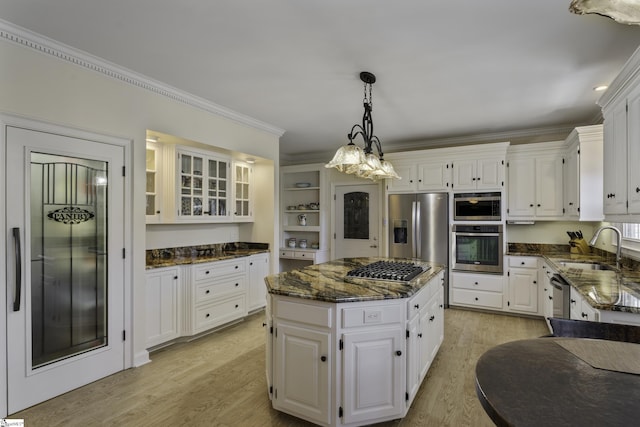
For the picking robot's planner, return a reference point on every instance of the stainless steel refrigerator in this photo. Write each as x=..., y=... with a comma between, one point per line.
x=419, y=228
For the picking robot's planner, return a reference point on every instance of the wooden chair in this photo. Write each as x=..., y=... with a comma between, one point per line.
x=599, y=330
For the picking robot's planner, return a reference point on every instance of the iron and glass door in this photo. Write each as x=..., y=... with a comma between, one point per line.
x=65, y=268
x=356, y=225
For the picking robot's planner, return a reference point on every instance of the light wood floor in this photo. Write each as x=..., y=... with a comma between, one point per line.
x=219, y=380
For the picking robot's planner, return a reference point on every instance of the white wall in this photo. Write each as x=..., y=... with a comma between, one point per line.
x=43, y=87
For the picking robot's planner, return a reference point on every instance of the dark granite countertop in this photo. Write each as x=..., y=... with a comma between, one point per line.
x=169, y=257
x=328, y=282
x=611, y=290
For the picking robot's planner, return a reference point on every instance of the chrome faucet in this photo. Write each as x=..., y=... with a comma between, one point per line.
x=592, y=242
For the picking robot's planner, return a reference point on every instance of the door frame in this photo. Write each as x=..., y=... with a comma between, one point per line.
x=127, y=145
x=381, y=217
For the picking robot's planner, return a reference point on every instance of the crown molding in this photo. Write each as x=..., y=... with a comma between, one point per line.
x=628, y=73
x=31, y=40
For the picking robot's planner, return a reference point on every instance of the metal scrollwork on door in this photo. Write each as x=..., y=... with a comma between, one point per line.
x=356, y=215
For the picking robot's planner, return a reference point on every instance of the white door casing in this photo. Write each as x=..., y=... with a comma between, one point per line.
x=24, y=384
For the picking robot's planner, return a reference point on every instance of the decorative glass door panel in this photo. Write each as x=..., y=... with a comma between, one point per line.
x=217, y=191
x=65, y=271
x=68, y=256
x=191, y=192
x=242, y=196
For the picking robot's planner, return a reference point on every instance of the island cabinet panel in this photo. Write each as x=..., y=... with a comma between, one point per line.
x=302, y=372
x=425, y=332
x=373, y=376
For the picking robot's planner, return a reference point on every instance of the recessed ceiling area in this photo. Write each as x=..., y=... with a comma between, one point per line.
x=447, y=72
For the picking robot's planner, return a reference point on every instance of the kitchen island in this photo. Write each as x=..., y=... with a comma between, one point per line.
x=351, y=350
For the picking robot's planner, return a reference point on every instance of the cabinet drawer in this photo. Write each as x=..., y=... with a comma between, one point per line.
x=476, y=282
x=287, y=254
x=220, y=287
x=219, y=312
x=220, y=268
x=305, y=255
x=372, y=315
x=306, y=313
x=420, y=299
x=523, y=261
x=477, y=298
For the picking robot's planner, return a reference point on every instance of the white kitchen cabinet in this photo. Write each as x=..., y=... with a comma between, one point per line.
x=621, y=112
x=302, y=374
x=163, y=305
x=535, y=181
x=480, y=174
x=408, y=182
x=373, y=373
x=257, y=269
x=425, y=332
x=583, y=174
x=523, y=284
x=477, y=290
x=218, y=294
x=154, y=183
x=435, y=175
x=242, y=192
x=303, y=193
x=580, y=308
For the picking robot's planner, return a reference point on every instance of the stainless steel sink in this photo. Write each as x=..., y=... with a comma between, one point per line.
x=585, y=265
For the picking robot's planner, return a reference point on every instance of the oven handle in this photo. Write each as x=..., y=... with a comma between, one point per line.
x=457, y=233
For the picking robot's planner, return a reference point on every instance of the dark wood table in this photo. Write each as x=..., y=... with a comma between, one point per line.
x=539, y=382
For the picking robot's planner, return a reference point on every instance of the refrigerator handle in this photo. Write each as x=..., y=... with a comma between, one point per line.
x=417, y=240
x=413, y=229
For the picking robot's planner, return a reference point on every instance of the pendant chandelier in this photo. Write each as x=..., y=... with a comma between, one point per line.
x=361, y=162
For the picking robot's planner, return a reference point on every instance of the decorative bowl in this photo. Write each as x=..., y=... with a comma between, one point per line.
x=303, y=184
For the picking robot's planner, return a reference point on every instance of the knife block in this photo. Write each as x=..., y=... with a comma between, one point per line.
x=579, y=246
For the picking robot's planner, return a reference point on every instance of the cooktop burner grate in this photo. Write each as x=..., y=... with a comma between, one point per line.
x=388, y=270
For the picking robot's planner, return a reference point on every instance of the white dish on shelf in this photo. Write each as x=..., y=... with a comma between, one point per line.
x=303, y=184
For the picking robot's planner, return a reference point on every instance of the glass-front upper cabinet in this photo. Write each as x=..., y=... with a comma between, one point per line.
x=202, y=186
x=153, y=190
x=243, y=209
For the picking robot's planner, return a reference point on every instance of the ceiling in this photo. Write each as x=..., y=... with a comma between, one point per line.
x=447, y=72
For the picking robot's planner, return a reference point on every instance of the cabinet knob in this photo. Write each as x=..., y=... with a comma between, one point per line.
x=264, y=324
x=431, y=318
x=398, y=353
x=522, y=263
x=476, y=298
x=637, y=191
x=236, y=267
x=207, y=315
x=420, y=335
x=236, y=305
x=572, y=301
x=531, y=205
x=250, y=263
x=535, y=282
x=175, y=277
x=206, y=272
x=583, y=314
x=473, y=179
x=478, y=179
x=570, y=203
x=323, y=358
x=207, y=291
x=475, y=283
x=236, y=285
x=441, y=305
x=416, y=306
x=157, y=212
x=550, y=297
x=538, y=204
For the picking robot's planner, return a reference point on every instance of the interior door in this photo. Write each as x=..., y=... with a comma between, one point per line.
x=65, y=269
x=356, y=221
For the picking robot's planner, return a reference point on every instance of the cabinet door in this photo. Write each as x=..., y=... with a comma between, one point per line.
x=435, y=327
x=549, y=186
x=465, y=175
x=191, y=185
x=153, y=190
x=413, y=357
x=301, y=374
x=163, y=303
x=571, y=180
x=523, y=290
x=373, y=374
x=615, y=160
x=490, y=174
x=258, y=266
x=242, y=177
x=409, y=181
x=521, y=187
x=433, y=176
x=217, y=188
x=633, y=153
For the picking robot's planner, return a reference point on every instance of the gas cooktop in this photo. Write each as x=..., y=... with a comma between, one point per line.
x=388, y=270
